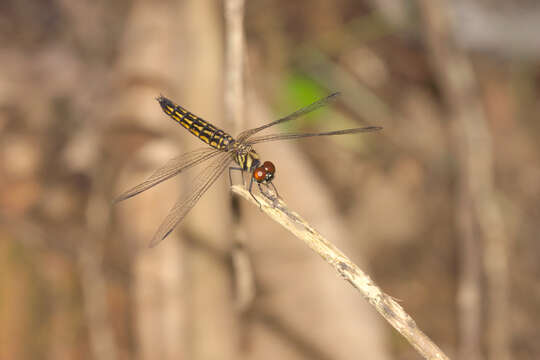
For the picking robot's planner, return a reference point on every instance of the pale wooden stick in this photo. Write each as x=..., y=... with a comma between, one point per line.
x=385, y=305
x=234, y=64
x=234, y=115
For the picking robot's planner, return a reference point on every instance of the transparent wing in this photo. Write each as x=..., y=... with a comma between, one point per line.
x=295, y=115
x=276, y=137
x=202, y=182
x=171, y=168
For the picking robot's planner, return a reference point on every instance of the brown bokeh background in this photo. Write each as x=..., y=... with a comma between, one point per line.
x=441, y=208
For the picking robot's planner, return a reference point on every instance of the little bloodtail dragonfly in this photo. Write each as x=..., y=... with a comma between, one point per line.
x=223, y=152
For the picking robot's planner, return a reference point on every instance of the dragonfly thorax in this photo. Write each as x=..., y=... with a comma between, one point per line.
x=248, y=159
x=245, y=156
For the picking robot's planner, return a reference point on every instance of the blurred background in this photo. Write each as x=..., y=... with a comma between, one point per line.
x=441, y=208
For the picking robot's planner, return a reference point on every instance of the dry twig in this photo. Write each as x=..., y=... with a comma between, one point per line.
x=385, y=305
x=234, y=115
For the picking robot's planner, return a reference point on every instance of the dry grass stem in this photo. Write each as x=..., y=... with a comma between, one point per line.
x=385, y=305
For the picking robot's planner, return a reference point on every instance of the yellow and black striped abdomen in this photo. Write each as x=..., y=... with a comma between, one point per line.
x=202, y=129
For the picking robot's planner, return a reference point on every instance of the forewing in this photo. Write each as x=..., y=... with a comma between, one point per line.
x=295, y=115
x=202, y=182
x=171, y=168
x=277, y=137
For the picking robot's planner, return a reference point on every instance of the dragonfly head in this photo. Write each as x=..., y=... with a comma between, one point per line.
x=265, y=173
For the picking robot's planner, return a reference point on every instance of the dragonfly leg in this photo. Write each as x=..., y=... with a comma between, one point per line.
x=275, y=190
x=251, y=192
x=241, y=172
x=270, y=197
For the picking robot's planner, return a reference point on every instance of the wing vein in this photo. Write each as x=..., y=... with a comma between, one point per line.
x=295, y=115
x=277, y=137
x=171, y=168
x=204, y=180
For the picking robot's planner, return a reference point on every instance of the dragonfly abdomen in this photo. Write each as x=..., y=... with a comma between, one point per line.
x=202, y=129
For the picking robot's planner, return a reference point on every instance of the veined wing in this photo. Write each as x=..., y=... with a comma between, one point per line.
x=295, y=115
x=171, y=168
x=203, y=182
x=277, y=137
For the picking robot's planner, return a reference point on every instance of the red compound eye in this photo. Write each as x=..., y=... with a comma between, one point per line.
x=269, y=167
x=259, y=174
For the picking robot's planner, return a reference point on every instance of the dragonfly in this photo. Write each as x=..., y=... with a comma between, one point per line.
x=224, y=152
